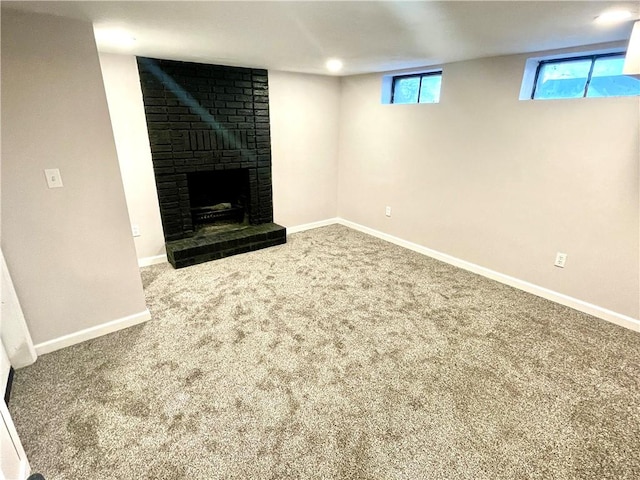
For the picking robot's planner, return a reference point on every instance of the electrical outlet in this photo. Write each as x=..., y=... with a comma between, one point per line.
x=54, y=180
x=135, y=229
x=387, y=211
x=561, y=259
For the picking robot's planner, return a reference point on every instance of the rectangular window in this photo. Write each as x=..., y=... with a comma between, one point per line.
x=416, y=88
x=585, y=76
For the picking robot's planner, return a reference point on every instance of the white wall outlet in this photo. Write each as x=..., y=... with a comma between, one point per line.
x=54, y=180
x=387, y=211
x=135, y=229
x=561, y=259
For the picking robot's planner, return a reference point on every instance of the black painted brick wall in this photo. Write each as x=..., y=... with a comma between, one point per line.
x=202, y=118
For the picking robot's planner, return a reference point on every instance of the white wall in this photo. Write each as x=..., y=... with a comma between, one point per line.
x=482, y=176
x=499, y=182
x=69, y=250
x=124, y=97
x=304, y=143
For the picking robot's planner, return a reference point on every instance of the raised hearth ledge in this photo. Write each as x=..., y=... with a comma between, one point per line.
x=203, y=248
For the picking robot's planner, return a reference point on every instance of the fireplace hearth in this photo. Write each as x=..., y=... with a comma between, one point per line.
x=210, y=144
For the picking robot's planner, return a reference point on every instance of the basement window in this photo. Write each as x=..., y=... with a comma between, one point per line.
x=586, y=76
x=416, y=88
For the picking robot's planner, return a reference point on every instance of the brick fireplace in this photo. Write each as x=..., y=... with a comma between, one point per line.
x=210, y=144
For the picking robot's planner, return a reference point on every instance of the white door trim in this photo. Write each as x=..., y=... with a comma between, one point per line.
x=14, y=332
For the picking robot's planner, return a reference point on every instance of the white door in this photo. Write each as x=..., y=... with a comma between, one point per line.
x=13, y=460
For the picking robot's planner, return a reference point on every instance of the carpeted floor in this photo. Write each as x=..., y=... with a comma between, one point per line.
x=337, y=356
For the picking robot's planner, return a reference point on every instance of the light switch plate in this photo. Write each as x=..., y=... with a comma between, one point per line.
x=561, y=259
x=54, y=180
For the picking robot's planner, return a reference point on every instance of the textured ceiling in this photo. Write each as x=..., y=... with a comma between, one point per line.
x=367, y=36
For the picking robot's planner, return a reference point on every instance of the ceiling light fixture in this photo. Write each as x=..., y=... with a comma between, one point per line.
x=613, y=16
x=114, y=37
x=334, y=65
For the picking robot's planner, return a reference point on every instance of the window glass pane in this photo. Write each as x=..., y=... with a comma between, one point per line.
x=562, y=79
x=607, y=79
x=430, y=89
x=405, y=90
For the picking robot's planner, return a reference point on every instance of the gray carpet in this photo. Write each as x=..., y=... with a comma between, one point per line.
x=337, y=356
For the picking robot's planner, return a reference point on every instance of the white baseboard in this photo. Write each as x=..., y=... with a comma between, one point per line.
x=93, y=332
x=580, y=305
x=309, y=226
x=146, y=261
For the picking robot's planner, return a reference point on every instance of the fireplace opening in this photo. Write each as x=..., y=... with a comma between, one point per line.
x=218, y=198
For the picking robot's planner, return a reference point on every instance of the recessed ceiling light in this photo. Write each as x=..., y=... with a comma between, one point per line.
x=334, y=65
x=614, y=16
x=114, y=37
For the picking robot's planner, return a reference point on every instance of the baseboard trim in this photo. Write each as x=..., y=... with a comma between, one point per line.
x=580, y=305
x=146, y=261
x=312, y=225
x=93, y=332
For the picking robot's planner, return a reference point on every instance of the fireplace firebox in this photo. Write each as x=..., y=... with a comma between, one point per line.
x=218, y=197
